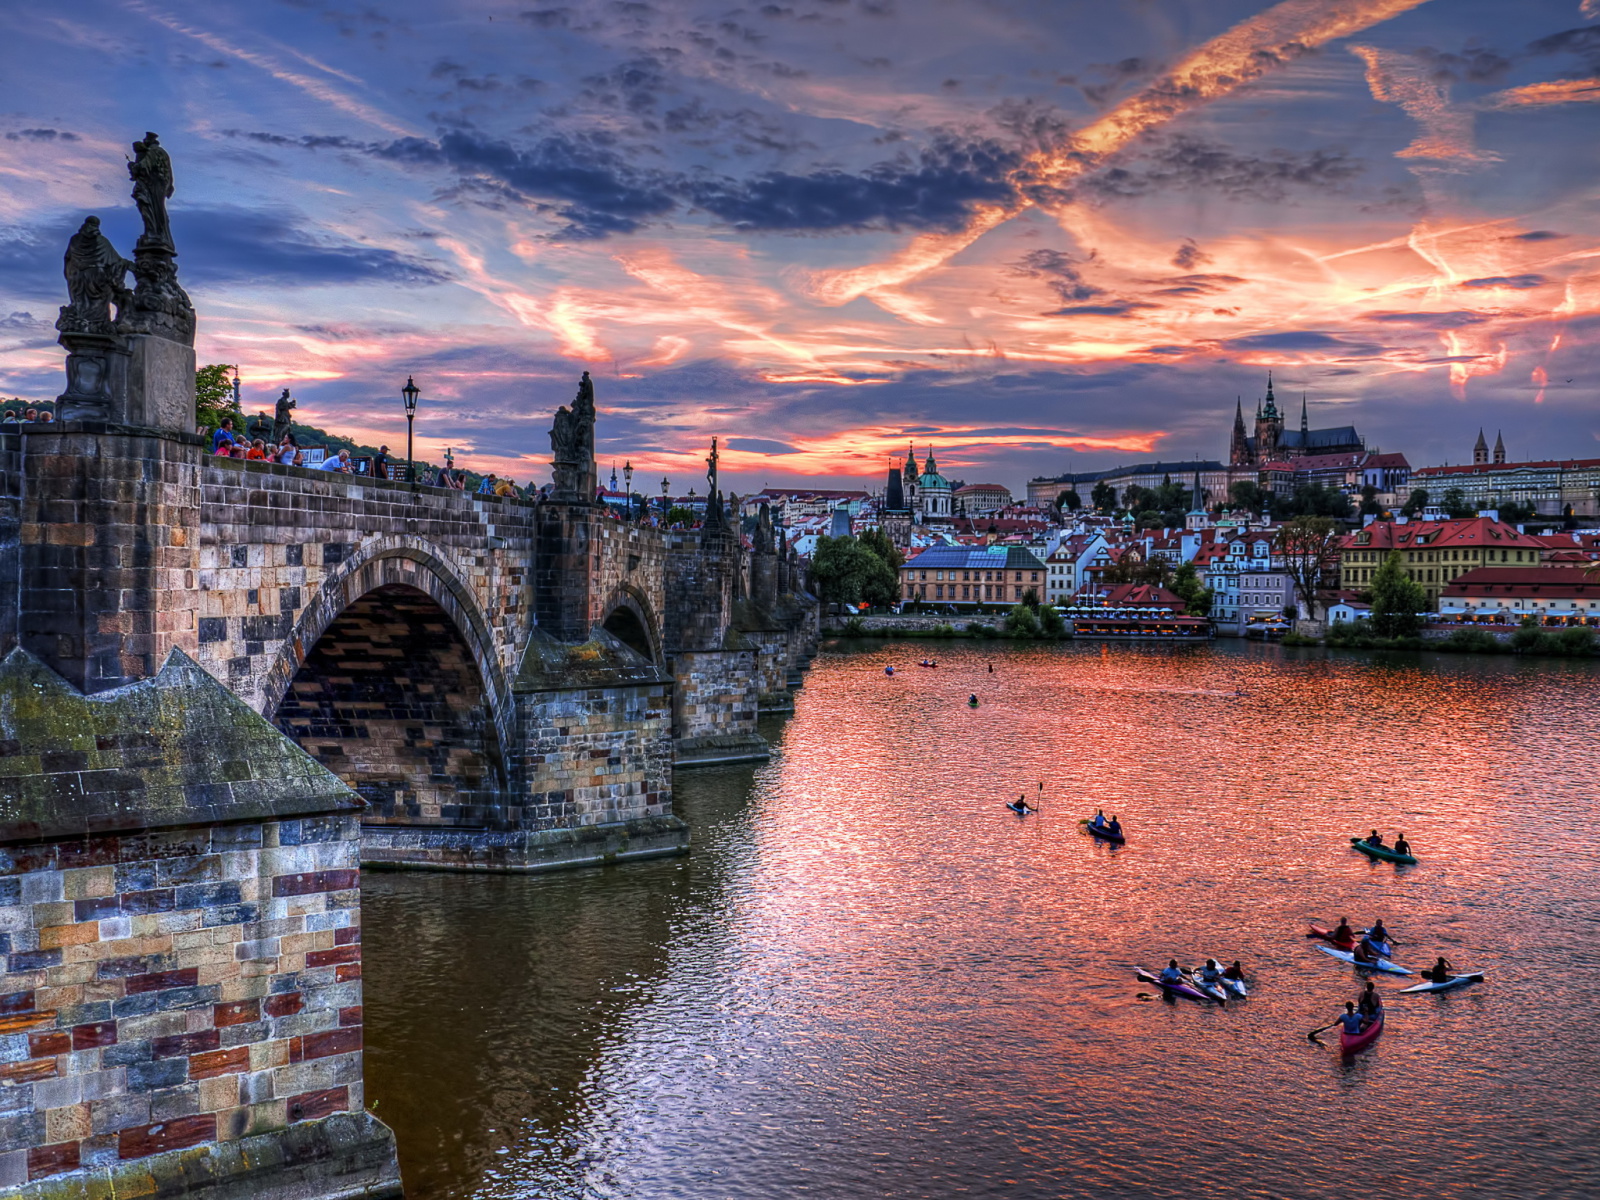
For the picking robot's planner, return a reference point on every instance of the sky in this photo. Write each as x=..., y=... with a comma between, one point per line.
x=1040, y=235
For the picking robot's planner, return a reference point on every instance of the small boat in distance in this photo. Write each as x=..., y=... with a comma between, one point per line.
x=1382, y=852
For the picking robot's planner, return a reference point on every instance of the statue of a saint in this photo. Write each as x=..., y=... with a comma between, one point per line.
x=95, y=273
x=281, y=419
x=151, y=172
x=711, y=466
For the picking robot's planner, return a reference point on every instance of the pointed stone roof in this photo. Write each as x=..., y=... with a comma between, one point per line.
x=1480, y=444
x=175, y=749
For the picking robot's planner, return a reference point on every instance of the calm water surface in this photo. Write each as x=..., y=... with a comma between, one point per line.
x=870, y=979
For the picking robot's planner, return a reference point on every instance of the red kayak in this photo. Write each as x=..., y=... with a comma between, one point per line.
x=1358, y=1043
x=1317, y=931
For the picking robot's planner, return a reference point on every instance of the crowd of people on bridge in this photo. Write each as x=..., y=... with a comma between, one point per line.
x=28, y=415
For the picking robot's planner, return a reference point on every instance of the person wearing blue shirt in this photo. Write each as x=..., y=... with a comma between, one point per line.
x=339, y=462
x=1351, y=1020
x=223, y=436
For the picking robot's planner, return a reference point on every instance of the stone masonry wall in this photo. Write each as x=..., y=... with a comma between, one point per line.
x=10, y=530
x=272, y=537
x=596, y=756
x=174, y=989
x=716, y=694
x=391, y=702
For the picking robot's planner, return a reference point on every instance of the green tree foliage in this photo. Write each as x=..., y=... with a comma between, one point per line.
x=1369, y=502
x=1103, y=497
x=1021, y=622
x=1156, y=571
x=1397, y=600
x=1069, y=500
x=1455, y=504
x=1513, y=513
x=213, y=398
x=878, y=542
x=1050, y=623
x=1311, y=500
x=849, y=572
x=1417, y=501
x=1196, y=595
x=679, y=515
x=1137, y=499
x=1249, y=495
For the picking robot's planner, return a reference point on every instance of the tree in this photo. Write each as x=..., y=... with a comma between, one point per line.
x=1455, y=504
x=1249, y=495
x=1155, y=571
x=1309, y=547
x=213, y=398
x=1513, y=513
x=848, y=573
x=1398, y=601
x=1103, y=497
x=1196, y=596
x=1369, y=502
x=1138, y=499
x=1069, y=500
x=878, y=542
x=1417, y=502
x=679, y=515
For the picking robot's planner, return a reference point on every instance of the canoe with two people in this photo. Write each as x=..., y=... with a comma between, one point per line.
x=1372, y=846
x=1110, y=830
x=1356, y=1031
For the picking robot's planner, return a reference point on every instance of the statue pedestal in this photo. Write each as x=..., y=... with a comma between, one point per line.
x=97, y=377
x=160, y=384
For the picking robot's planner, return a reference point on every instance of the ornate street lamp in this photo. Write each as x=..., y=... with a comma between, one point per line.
x=410, y=393
x=627, y=485
x=666, y=505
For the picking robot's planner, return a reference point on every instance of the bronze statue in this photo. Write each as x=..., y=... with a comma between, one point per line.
x=95, y=273
x=281, y=420
x=151, y=172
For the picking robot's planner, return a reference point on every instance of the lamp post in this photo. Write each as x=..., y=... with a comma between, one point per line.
x=627, y=485
x=410, y=393
x=666, y=506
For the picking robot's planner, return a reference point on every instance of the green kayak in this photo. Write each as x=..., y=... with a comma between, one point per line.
x=1382, y=852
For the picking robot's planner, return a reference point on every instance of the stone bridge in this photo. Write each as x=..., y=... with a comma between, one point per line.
x=508, y=683
x=227, y=685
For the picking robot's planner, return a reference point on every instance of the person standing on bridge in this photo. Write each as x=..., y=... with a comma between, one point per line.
x=380, y=463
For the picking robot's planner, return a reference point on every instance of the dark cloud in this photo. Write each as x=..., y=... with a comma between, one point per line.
x=1295, y=341
x=22, y=322
x=1119, y=308
x=761, y=446
x=1183, y=162
x=1505, y=281
x=1197, y=285
x=1430, y=320
x=1536, y=235
x=1472, y=65
x=1189, y=256
x=1583, y=43
x=1060, y=272
x=41, y=135
x=935, y=190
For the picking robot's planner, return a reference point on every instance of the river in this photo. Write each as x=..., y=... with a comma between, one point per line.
x=872, y=980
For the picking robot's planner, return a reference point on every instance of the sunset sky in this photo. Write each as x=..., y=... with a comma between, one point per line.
x=1044, y=236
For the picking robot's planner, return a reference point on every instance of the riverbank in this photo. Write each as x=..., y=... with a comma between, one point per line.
x=1576, y=642
x=898, y=627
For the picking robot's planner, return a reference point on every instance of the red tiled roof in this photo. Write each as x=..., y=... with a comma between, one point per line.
x=1558, y=581
x=1568, y=464
x=1467, y=531
x=1143, y=595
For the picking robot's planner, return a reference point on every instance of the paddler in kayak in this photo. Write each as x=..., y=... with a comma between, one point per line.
x=1351, y=1020
x=1344, y=933
x=1235, y=972
x=1098, y=821
x=1022, y=805
x=1211, y=973
x=1378, y=936
x=1365, y=954
x=1370, y=1003
x=1172, y=973
x=1115, y=828
x=1375, y=838
x=1441, y=972
x=1401, y=846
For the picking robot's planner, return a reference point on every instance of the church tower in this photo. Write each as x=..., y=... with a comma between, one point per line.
x=909, y=478
x=1269, y=427
x=1239, y=448
x=1480, y=451
x=1499, y=449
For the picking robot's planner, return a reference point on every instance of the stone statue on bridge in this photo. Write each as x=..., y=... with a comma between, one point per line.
x=151, y=172
x=95, y=273
x=572, y=447
x=281, y=420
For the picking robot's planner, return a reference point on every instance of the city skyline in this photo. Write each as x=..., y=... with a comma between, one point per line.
x=1039, y=238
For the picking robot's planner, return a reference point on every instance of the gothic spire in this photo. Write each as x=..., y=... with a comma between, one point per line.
x=1305, y=423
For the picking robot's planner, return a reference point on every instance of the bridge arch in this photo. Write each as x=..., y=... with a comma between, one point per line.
x=391, y=678
x=630, y=619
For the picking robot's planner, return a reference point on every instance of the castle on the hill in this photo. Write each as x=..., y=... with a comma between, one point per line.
x=1273, y=443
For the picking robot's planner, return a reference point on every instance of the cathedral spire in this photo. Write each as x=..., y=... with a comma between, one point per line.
x=1305, y=423
x=1480, y=449
x=1270, y=411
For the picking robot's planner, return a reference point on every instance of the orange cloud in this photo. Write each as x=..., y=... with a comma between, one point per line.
x=1535, y=95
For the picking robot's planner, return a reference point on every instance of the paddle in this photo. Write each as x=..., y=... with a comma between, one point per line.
x=1313, y=1034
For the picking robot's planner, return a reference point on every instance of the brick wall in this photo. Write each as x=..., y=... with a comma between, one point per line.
x=716, y=694
x=176, y=988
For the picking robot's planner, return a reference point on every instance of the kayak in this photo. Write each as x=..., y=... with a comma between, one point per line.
x=888, y=670
x=1326, y=935
x=1383, y=964
x=1174, y=989
x=1021, y=812
x=1382, y=852
x=1359, y=1042
x=1236, y=986
x=972, y=704
x=1104, y=832
x=1454, y=981
x=1384, y=949
x=1212, y=990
